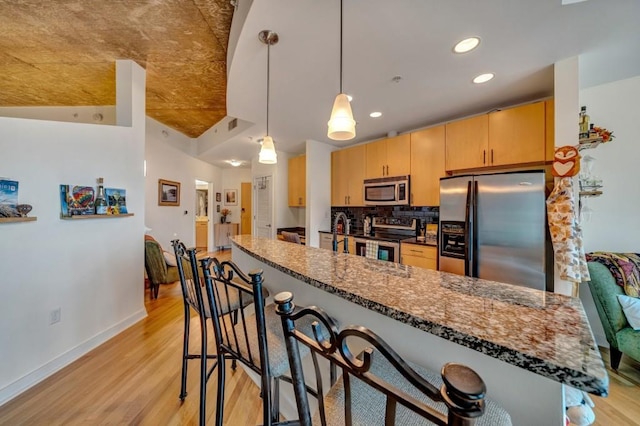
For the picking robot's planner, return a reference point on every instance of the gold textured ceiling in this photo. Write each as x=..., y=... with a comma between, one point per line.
x=63, y=52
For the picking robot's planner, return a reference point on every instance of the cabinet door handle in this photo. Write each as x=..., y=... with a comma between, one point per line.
x=345, y=199
x=349, y=199
x=382, y=170
x=484, y=156
x=492, y=156
x=387, y=170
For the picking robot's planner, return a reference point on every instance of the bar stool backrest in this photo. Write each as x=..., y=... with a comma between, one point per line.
x=379, y=370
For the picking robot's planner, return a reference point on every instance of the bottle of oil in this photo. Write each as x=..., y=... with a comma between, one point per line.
x=101, y=202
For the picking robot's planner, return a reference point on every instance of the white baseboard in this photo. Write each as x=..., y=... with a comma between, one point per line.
x=22, y=384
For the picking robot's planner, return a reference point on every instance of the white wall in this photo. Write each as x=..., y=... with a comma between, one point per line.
x=565, y=124
x=166, y=161
x=231, y=179
x=91, y=269
x=318, y=190
x=613, y=225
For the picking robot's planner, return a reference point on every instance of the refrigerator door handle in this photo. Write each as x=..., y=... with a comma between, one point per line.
x=467, y=224
x=474, y=238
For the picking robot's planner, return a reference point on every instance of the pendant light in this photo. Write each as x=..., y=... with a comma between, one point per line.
x=268, y=151
x=342, y=126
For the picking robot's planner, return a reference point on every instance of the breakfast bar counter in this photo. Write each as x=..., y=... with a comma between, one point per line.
x=524, y=343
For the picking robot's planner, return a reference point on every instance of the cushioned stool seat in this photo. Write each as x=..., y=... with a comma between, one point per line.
x=368, y=405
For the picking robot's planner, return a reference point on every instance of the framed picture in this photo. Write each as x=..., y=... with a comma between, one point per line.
x=230, y=197
x=168, y=193
x=217, y=208
x=218, y=197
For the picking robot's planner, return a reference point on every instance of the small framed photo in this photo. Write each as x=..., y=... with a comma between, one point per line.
x=168, y=193
x=218, y=197
x=230, y=197
x=217, y=208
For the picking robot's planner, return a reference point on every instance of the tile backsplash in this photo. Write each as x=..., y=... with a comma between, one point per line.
x=424, y=215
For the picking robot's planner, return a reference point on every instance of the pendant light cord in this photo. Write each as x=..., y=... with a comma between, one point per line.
x=341, y=46
x=268, y=71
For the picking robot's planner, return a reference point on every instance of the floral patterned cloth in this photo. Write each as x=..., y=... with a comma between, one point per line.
x=566, y=234
x=625, y=268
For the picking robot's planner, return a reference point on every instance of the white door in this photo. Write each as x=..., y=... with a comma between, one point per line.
x=263, y=218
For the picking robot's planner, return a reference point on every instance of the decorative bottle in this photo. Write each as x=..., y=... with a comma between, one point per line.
x=584, y=123
x=101, y=202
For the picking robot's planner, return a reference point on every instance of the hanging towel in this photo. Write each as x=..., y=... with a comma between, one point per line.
x=566, y=234
x=372, y=249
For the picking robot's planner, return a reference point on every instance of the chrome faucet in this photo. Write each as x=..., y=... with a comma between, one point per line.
x=345, y=221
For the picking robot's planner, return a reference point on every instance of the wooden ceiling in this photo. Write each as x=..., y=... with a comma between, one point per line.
x=63, y=52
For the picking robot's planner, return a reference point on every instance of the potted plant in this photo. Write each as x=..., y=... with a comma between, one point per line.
x=223, y=215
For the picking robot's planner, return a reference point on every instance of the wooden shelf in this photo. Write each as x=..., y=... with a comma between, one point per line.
x=590, y=193
x=589, y=143
x=95, y=216
x=18, y=219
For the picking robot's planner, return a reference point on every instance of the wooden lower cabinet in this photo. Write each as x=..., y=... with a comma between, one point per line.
x=202, y=228
x=326, y=242
x=223, y=233
x=419, y=255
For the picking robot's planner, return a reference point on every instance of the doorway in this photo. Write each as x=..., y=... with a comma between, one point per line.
x=263, y=194
x=202, y=215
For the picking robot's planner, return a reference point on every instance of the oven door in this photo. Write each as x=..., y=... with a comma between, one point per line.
x=389, y=251
x=386, y=250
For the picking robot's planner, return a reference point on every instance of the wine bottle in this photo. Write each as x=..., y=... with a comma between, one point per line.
x=101, y=202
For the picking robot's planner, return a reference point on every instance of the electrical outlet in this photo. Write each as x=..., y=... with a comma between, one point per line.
x=55, y=316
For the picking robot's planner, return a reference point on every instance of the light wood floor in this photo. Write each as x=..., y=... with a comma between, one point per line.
x=134, y=378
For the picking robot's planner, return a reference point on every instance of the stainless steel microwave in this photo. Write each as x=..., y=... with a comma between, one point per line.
x=387, y=191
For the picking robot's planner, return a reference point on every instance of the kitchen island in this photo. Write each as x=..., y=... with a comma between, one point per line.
x=524, y=343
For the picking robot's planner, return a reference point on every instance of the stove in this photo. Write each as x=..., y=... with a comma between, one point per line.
x=387, y=232
x=393, y=228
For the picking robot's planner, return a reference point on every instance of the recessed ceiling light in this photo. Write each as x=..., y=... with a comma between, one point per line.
x=234, y=163
x=483, y=78
x=466, y=45
x=375, y=114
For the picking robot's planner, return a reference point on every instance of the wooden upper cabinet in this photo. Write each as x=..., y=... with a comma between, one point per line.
x=297, y=181
x=517, y=135
x=550, y=129
x=427, y=166
x=347, y=175
x=388, y=157
x=513, y=136
x=467, y=143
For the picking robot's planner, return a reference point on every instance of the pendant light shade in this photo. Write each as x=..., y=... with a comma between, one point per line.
x=268, y=150
x=342, y=126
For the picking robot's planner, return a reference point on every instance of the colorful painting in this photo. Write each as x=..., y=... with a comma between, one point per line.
x=9, y=193
x=80, y=200
x=116, y=200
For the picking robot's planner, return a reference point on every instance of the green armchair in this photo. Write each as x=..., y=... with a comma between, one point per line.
x=621, y=337
x=157, y=269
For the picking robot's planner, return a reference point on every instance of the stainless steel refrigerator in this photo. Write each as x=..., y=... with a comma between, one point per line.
x=494, y=226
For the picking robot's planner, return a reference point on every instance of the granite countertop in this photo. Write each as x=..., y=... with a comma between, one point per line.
x=545, y=333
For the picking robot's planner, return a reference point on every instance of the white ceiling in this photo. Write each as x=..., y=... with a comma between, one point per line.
x=521, y=40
